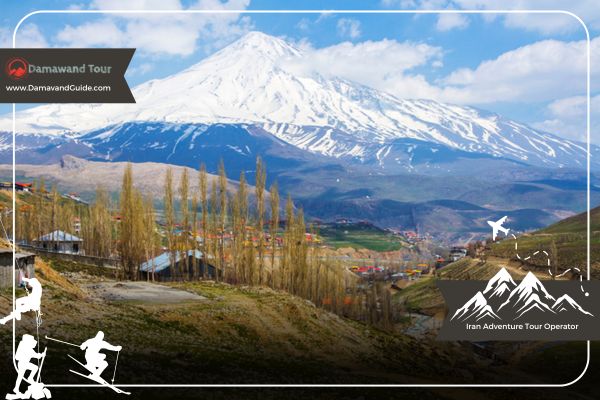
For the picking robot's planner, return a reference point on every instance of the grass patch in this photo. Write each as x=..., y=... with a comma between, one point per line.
x=61, y=265
x=570, y=248
x=421, y=296
x=360, y=236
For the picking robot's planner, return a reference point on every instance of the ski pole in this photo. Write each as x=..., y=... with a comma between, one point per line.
x=115, y=371
x=61, y=341
x=39, y=373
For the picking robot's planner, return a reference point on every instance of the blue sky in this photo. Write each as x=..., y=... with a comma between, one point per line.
x=527, y=67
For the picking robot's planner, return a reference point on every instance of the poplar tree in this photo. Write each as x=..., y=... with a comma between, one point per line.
x=213, y=228
x=203, y=184
x=195, y=234
x=152, y=239
x=185, y=229
x=96, y=227
x=223, y=212
x=287, y=251
x=260, y=214
x=131, y=229
x=239, y=219
x=170, y=218
x=274, y=192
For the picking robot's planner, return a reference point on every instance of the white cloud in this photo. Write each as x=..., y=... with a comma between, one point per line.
x=28, y=36
x=151, y=34
x=5, y=37
x=588, y=10
x=542, y=71
x=447, y=22
x=102, y=33
x=569, y=107
x=567, y=118
x=348, y=27
x=303, y=24
x=136, y=4
x=380, y=64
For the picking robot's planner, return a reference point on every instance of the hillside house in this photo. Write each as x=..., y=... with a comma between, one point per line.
x=24, y=267
x=160, y=267
x=19, y=186
x=59, y=242
x=456, y=253
x=23, y=187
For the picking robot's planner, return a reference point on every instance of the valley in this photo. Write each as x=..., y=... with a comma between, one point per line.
x=334, y=202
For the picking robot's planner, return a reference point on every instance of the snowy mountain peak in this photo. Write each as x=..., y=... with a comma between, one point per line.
x=532, y=284
x=251, y=50
x=500, y=284
x=263, y=45
x=530, y=287
x=566, y=303
x=532, y=302
x=529, y=296
x=477, y=308
x=251, y=82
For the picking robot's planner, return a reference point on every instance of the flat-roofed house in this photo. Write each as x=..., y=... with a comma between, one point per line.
x=59, y=242
x=160, y=267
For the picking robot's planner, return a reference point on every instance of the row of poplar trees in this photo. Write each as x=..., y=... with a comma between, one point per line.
x=237, y=228
x=240, y=233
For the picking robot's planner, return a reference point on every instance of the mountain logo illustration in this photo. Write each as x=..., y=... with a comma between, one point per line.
x=503, y=299
x=16, y=68
x=476, y=308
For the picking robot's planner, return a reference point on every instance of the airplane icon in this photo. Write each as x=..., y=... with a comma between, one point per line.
x=497, y=226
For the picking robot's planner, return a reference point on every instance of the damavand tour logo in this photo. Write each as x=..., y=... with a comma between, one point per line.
x=17, y=68
x=503, y=308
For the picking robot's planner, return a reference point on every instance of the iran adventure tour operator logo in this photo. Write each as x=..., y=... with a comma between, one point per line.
x=504, y=309
x=17, y=68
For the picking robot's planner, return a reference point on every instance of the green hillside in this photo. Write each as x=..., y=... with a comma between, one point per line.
x=576, y=223
x=360, y=236
x=565, y=241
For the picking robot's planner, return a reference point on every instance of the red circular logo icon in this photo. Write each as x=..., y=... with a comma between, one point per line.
x=16, y=68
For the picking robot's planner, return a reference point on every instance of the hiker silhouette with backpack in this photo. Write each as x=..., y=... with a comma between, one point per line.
x=23, y=356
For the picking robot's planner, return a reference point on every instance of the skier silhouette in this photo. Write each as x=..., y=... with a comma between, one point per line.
x=96, y=363
x=23, y=356
x=31, y=302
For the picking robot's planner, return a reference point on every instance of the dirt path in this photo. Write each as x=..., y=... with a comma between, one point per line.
x=518, y=269
x=145, y=292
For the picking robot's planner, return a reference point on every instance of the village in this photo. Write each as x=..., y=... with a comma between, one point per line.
x=192, y=261
x=245, y=237
x=125, y=252
x=351, y=268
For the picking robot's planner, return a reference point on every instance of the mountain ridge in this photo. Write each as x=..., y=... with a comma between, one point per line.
x=250, y=82
x=528, y=296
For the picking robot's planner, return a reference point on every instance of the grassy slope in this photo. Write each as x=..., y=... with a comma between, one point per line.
x=425, y=297
x=576, y=223
x=236, y=335
x=570, y=238
x=239, y=335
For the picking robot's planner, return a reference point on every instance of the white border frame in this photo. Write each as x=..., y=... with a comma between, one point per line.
x=564, y=12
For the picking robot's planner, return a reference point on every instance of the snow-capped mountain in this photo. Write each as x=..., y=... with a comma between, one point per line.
x=528, y=294
x=566, y=303
x=476, y=308
x=253, y=82
x=527, y=298
x=500, y=285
